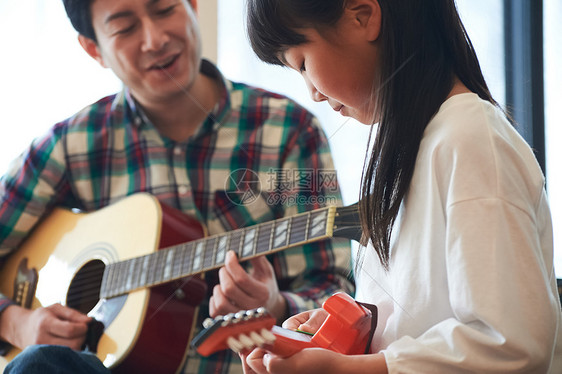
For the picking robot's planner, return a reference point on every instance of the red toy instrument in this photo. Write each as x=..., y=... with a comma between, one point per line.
x=348, y=329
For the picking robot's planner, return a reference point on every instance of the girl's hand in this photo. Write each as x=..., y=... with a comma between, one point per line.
x=309, y=321
x=310, y=361
x=313, y=361
x=260, y=361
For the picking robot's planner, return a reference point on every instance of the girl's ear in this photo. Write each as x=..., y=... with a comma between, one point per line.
x=367, y=15
x=91, y=47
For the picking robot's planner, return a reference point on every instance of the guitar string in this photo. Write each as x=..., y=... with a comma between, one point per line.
x=186, y=280
x=87, y=284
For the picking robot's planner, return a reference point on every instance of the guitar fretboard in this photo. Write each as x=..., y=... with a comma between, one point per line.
x=206, y=254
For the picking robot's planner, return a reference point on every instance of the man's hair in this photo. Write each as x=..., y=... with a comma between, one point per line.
x=80, y=15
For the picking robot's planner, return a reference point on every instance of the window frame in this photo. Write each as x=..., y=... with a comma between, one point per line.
x=524, y=67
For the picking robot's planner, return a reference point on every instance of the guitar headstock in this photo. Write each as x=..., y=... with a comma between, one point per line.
x=347, y=223
x=239, y=331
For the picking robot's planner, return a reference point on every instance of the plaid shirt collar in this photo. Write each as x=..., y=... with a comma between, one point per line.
x=215, y=117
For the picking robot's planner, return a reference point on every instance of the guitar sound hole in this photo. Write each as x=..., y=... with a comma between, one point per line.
x=84, y=290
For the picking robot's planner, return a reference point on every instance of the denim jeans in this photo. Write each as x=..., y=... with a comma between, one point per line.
x=47, y=359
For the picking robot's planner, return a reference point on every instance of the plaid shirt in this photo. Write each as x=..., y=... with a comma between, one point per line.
x=253, y=141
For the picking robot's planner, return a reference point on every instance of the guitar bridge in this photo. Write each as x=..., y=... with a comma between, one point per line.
x=25, y=285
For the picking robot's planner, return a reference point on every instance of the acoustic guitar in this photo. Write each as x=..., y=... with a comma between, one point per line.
x=136, y=267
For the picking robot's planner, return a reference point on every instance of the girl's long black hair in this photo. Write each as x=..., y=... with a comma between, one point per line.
x=423, y=47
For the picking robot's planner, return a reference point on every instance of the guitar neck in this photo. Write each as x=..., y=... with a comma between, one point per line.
x=205, y=254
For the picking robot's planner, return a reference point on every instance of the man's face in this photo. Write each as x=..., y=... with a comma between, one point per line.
x=153, y=46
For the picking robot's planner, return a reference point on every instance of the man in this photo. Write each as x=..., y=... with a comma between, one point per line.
x=225, y=153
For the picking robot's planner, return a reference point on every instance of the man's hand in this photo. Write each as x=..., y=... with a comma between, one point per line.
x=55, y=324
x=239, y=290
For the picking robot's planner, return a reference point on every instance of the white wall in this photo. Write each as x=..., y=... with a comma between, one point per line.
x=208, y=13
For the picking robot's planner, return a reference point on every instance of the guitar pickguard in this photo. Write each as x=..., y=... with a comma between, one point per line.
x=107, y=309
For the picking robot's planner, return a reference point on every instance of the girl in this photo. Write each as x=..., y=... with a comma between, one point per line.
x=453, y=206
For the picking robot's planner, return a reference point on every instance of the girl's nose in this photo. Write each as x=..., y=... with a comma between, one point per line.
x=317, y=95
x=314, y=93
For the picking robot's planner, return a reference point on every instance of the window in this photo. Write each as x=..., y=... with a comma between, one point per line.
x=553, y=119
x=46, y=76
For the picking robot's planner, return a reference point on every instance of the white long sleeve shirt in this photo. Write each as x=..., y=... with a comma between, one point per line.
x=471, y=286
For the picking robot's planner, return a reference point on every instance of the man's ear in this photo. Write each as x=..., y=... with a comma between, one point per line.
x=194, y=6
x=367, y=15
x=91, y=48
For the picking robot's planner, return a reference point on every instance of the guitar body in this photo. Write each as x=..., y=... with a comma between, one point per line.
x=68, y=250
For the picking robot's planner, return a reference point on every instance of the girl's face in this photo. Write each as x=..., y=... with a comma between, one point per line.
x=339, y=66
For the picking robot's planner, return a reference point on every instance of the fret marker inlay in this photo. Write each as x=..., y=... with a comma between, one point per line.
x=169, y=264
x=221, y=249
x=318, y=224
x=281, y=234
x=197, y=260
x=249, y=242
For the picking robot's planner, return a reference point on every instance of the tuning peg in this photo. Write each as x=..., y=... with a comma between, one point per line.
x=208, y=322
x=246, y=341
x=234, y=344
x=267, y=335
x=261, y=311
x=228, y=319
x=258, y=339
